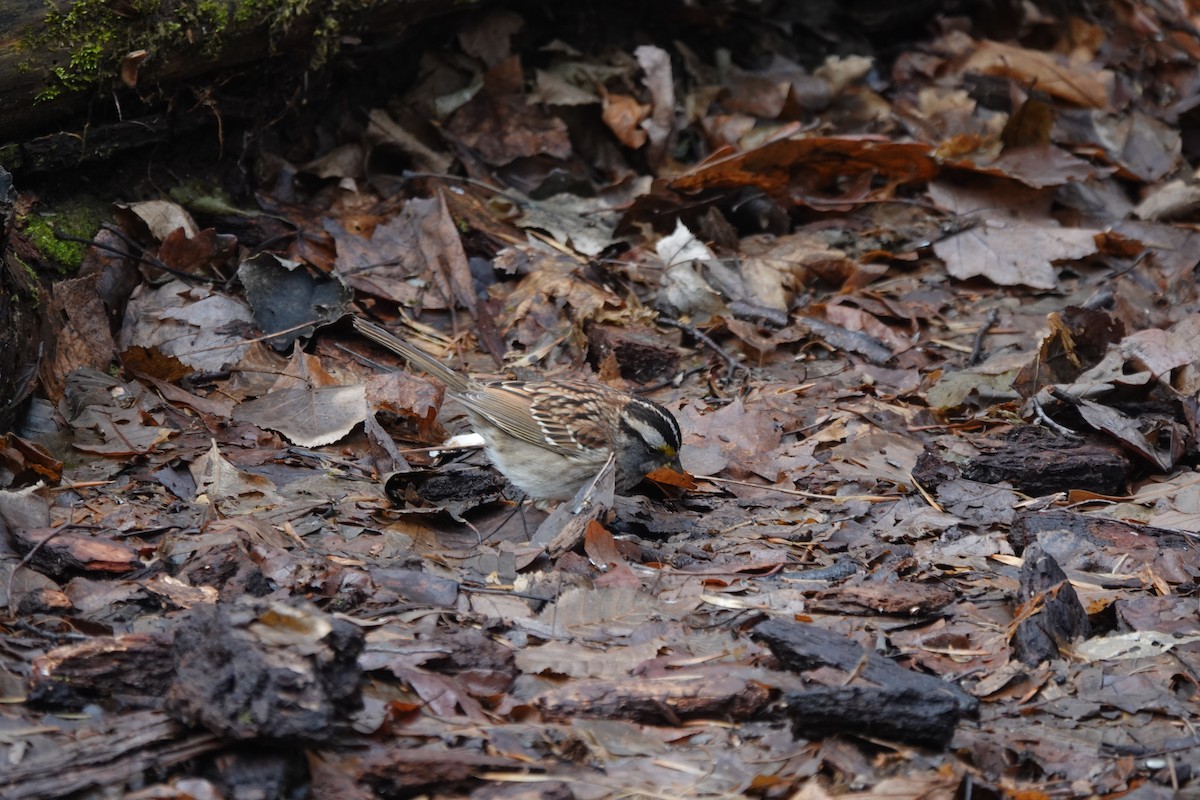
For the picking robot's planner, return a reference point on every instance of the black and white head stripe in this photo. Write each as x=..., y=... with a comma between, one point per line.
x=653, y=424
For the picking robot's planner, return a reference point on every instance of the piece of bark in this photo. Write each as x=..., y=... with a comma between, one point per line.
x=456, y=488
x=901, y=704
x=27, y=462
x=43, y=601
x=21, y=307
x=905, y=714
x=62, y=552
x=134, y=670
x=801, y=648
x=257, y=669
x=931, y=470
x=416, y=586
x=226, y=566
x=893, y=597
x=118, y=750
x=642, y=354
x=1039, y=462
x=657, y=700
x=1104, y=531
x=262, y=771
x=1050, y=616
x=845, y=340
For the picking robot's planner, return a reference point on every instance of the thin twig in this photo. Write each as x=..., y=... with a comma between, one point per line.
x=471, y=181
x=845, y=498
x=928, y=497
x=731, y=364
x=586, y=500
x=1051, y=424
x=312, y=323
x=136, y=252
x=977, y=346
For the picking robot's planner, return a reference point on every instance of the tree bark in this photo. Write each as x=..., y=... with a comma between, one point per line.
x=22, y=306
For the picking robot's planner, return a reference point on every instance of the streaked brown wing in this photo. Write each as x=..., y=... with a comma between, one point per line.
x=569, y=414
x=508, y=406
x=548, y=415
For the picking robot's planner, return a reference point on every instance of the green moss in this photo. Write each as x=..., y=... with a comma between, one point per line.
x=33, y=286
x=91, y=37
x=213, y=13
x=85, y=31
x=77, y=220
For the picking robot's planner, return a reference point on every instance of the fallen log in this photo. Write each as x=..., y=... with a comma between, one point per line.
x=81, y=82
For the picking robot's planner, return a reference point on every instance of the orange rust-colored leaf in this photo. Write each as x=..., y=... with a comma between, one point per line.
x=669, y=477
x=792, y=168
x=623, y=115
x=600, y=546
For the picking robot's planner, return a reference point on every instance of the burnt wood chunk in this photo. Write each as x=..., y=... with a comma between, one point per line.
x=642, y=354
x=884, y=700
x=1049, y=615
x=903, y=715
x=258, y=669
x=1039, y=462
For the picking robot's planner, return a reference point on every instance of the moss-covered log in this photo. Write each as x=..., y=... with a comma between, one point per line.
x=70, y=71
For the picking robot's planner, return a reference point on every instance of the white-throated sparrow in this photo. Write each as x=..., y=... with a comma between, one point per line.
x=550, y=438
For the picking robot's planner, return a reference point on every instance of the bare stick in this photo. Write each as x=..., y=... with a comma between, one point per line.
x=977, y=347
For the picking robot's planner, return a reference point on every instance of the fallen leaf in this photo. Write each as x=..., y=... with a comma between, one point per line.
x=1014, y=254
x=1050, y=73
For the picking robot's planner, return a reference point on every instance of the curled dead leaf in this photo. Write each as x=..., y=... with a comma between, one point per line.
x=665, y=476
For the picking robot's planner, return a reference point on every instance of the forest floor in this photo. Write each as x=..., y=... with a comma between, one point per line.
x=924, y=306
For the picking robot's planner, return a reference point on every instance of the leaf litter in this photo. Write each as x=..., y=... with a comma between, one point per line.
x=935, y=370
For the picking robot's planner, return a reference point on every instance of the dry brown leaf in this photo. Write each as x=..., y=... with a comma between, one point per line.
x=162, y=217
x=309, y=416
x=537, y=303
x=414, y=259
x=219, y=481
x=581, y=660
x=624, y=116
x=488, y=36
x=1079, y=84
x=600, y=546
x=304, y=369
x=742, y=434
x=82, y=334
x=198, y=254
x=876, y=455
x=1012, y=254
x=196, y=325
x=598, y=614
x=502, y=129
x=1036, y=166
